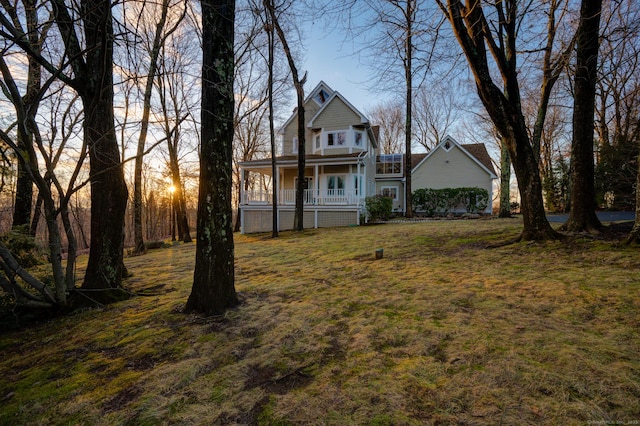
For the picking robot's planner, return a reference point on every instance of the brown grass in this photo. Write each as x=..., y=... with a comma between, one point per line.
x=442, y=330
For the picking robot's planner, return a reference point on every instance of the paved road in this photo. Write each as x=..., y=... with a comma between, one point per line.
x=604, y=216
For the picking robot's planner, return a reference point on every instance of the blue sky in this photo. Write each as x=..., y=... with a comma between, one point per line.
x=328, y=58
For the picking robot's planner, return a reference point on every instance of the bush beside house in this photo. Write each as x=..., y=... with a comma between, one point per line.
x=379, y=207
x=449, y=200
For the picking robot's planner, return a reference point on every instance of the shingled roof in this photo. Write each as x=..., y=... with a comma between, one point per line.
x=479, y=150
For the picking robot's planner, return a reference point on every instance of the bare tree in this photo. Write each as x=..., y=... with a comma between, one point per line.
x=175, y=97
x=618, y=105
x=213, y=288
x=390, y=117
x=474, y=34
x=436, y=110
x=153, y=48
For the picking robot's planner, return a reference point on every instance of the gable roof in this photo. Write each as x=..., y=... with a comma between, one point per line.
x=337, y=95
x=475, y=151
x=320, y=86
x=332, y=96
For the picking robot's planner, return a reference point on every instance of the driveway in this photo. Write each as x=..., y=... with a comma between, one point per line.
x=604, y=216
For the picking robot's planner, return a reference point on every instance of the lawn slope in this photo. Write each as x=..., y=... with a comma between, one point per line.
x=443, y=330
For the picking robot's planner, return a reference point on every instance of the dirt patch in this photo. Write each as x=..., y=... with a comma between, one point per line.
x=122, y=398
x=268, y=378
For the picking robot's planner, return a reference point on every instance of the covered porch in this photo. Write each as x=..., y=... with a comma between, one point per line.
x=334, y=192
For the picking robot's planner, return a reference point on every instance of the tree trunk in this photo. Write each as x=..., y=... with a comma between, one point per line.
x=582, y=216
x=24, y=193
x=272, y=134
x=213, y=288
x=505, y=181
x=158, y=40
x=31, y=99
x=298, y=221
x=408, y=76
x=108, y=188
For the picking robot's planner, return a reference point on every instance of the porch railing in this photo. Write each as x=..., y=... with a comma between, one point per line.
x=311, y=197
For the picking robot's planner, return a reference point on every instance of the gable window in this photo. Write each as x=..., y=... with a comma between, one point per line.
x=448, y=145
x=390, y=164
x=321, y=97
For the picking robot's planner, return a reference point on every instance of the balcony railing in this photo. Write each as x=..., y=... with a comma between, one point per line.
x=311, y=197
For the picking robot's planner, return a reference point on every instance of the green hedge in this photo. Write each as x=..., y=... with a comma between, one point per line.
x=443, y=201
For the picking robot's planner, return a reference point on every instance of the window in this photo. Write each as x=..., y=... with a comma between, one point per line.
x=294, y=147
x=447, y=145
x=389, y=191
x=321, y=97
x=317, y=139
x=335, y=185
x=336, y=139
x=389, y=164
x=357, y=183
x=358, y=139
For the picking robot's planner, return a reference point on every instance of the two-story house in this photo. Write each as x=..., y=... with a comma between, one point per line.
x=340, y=147
x=343, y=166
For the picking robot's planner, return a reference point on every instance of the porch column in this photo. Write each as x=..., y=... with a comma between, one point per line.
x=276, y=190
x=316, y=190
x=241, y=201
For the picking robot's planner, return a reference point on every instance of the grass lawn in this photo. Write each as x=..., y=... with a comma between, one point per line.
x=448, y=328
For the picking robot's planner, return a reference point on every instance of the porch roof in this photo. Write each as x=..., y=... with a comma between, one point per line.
x=310, y=160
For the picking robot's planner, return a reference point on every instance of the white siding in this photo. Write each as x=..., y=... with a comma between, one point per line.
x=453, y=169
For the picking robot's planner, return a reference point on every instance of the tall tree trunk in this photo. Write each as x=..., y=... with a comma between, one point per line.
x=272, y=134
x=24, y=193
x=31, y=99
x=108, y=188
x=213, y=288
x=408, y=77
x=298, y=221
x=180, y=204
x=582, y=216
x=505, y=181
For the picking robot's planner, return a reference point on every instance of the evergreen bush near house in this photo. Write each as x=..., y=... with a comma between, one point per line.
x=379, y=207
x=445, y=200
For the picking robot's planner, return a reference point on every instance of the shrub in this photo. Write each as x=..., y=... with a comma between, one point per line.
x=379, y=207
